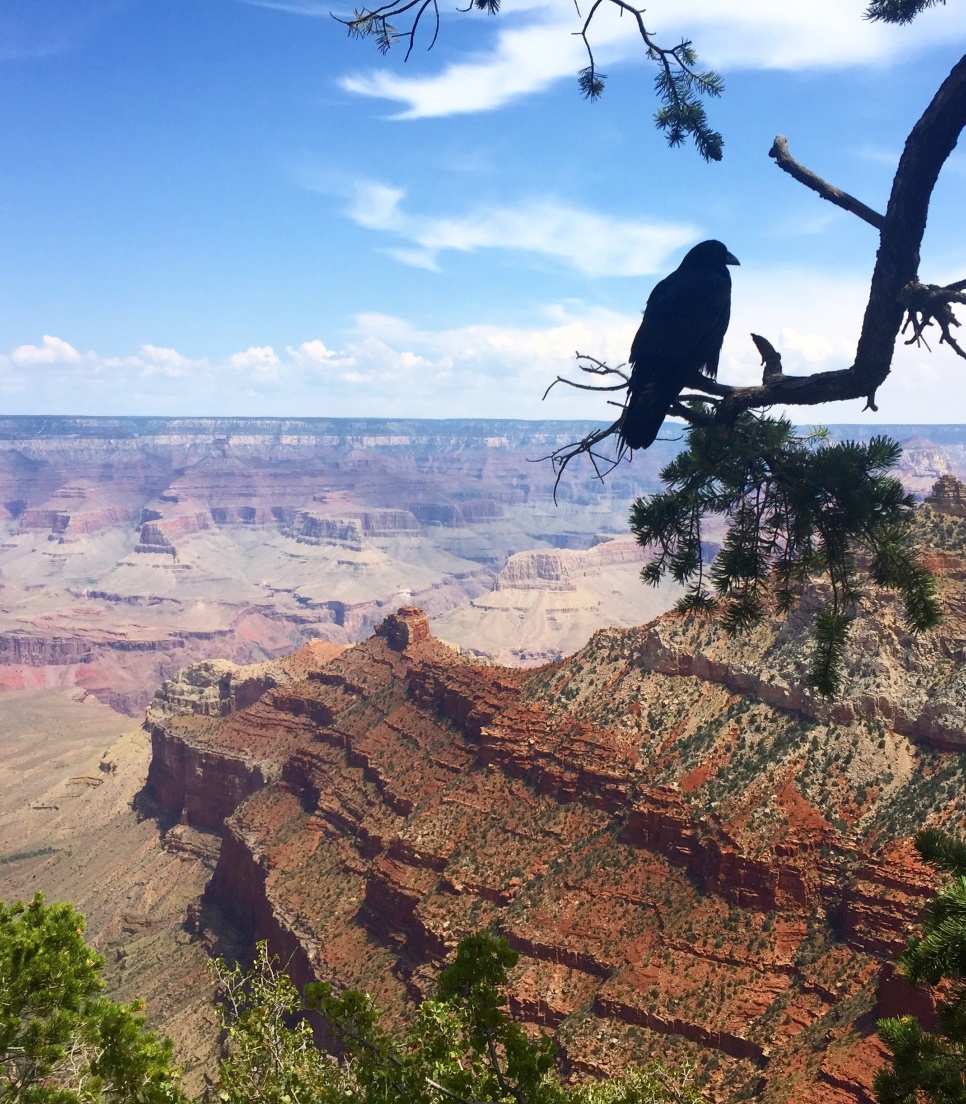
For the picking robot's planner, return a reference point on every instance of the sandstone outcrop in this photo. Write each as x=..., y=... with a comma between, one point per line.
x=692, y=864
x=949, y=496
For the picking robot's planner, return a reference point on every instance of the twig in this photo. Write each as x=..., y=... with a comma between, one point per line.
x=928, y=303
x=656, y=52
x=600, y=367
x=449, y=1092
x=585, y=386
x=561, y=457
x=376, y=22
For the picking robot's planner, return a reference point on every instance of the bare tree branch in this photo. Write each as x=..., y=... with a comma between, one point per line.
x=585, y=386
x=598, y=367
x=895, y=277
x=928, y=303
x=586, y=446
x=785, y=161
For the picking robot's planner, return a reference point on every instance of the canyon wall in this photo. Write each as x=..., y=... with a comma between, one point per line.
x=696, y=859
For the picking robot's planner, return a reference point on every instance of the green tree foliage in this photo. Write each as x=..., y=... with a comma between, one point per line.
x=931, y=1066
x=272, y=1056
x=61, y=1042
x=461, y=1046
x=799, y=508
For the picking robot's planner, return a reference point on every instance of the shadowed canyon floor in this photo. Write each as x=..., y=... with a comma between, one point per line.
x=71, y=769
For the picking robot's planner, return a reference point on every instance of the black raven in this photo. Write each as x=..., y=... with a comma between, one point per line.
x=684, y=324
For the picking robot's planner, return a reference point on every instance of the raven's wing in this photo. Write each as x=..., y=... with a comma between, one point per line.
x=684, y=324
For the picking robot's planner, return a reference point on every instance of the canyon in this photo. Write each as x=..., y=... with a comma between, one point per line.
x=697, y=859
x=130, y=548
x=133, y=547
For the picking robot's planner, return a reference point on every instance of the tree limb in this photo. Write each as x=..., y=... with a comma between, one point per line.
x=897, y=297
x=896, y=271
x=785, y=161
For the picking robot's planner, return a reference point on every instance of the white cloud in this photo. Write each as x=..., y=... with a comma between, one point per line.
x=167, y=362
x=386, y=366
x=51, y=350
x=523, y=61
x=152, y=360
x=595, y=244
x=260, y=360
x=376, y=206
x=312, y=353
x=534, y=46
x=786, y=34
x=486, y=370
x=415, y=258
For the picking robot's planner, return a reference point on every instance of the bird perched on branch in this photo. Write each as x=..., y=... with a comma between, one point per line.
x=680, y=336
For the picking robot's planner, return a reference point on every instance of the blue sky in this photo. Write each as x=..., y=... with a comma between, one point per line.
x=227, y=207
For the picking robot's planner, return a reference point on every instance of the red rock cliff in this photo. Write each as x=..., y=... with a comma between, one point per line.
x=690, y=867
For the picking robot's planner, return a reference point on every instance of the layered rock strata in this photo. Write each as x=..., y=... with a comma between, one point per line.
x=189, y=539
x=692, y=865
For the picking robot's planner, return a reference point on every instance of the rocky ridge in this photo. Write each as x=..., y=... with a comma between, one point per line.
x=696, y=859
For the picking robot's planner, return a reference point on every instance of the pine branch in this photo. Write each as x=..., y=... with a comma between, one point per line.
x=942, y=851
x=898, y=11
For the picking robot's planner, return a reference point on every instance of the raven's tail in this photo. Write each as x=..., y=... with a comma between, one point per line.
x=643, y=416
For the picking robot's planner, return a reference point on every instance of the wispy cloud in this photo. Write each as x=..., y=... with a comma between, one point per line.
x=534, y=46
x=314, y=8
x=588, y=241
x=28, y=31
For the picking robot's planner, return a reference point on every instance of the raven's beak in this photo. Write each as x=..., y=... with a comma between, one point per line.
x=732, y=259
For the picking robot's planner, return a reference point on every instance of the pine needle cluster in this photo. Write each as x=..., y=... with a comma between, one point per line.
x=798, y=509
x=931, y=1066
x=679, y=87
x=898, y=11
